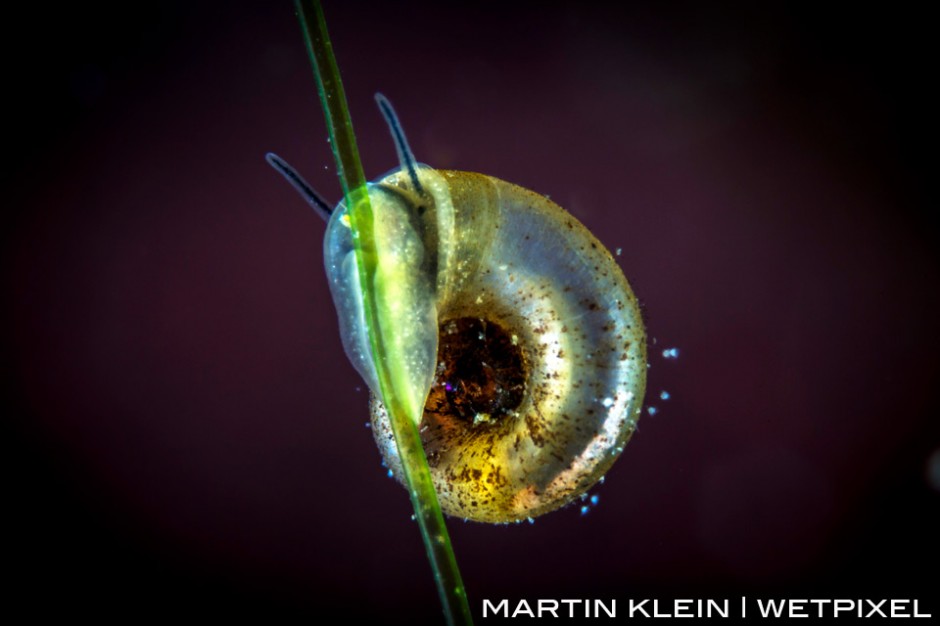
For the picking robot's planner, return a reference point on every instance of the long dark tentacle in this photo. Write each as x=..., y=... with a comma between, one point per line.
x=405, y=156
x=314, y=199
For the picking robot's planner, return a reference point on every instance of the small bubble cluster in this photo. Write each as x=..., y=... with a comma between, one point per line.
x=590, y=502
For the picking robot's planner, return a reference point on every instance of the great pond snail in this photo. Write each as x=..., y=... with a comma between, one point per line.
x=531, y=345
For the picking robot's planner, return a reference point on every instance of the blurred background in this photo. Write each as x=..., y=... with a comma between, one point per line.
x=185, y=435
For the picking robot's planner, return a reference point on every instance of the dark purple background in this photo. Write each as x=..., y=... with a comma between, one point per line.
x=187, y=437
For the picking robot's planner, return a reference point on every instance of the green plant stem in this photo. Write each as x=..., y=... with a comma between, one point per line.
x=402, y=416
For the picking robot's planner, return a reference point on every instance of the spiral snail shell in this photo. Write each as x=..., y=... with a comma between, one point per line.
x=524, y=333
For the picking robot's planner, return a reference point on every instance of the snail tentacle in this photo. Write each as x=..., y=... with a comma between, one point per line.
x=405, y=156
x=308, y=193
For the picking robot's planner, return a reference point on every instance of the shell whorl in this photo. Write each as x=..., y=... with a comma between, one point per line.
x=534, y=349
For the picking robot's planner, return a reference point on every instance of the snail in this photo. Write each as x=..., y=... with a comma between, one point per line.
x=520, y=328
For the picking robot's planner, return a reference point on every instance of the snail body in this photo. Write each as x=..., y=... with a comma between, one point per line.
x=524, y=340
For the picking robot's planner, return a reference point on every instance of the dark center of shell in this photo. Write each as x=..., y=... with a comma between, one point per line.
x=481, y=371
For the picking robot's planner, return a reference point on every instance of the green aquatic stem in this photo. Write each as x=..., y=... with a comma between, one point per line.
x=377, y=295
